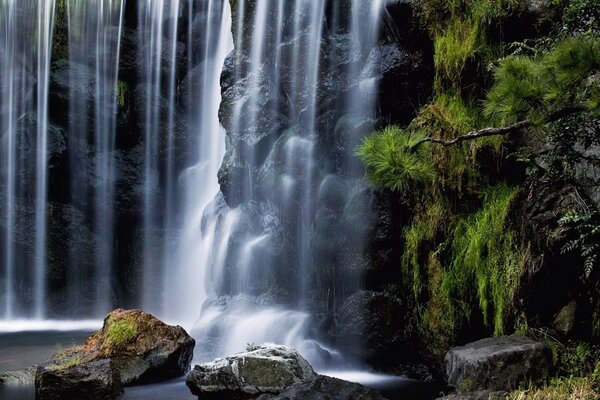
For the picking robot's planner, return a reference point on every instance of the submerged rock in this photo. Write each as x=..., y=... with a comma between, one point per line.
x=325, y=388
x=497, y=363
x=133, y=347
x=97, y=380
x=25, y=377
x=265, y=369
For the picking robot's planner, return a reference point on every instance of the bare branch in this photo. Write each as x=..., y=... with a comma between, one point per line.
x=565, y=112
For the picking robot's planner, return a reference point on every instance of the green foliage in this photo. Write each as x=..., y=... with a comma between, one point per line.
x=576, y=360
x=582, y=16
x=453, y=48
x=587, y=243
x=120, y=333
x=527, y=87
x=391, y=163
x=485, y=263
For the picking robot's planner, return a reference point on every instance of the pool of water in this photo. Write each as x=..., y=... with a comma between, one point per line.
x=19, y=350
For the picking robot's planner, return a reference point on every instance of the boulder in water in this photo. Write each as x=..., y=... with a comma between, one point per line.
x=23, y=377
x=143, y=348
x=66, y=376
x=133, y=347
x=325, y=388
x=497, y=363
x=264, y=369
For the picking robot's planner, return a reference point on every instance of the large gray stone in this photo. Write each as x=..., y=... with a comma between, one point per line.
x=325, y=388
x=497, y=363
x=265, y=369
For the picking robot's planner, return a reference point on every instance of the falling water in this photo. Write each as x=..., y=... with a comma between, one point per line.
x=22, y=62
x=266, y=238
x=93, y=82
x=246, y=263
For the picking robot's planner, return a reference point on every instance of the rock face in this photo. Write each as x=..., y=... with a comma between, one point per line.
x=97, y=380
x=497, y=363
x=325, y=388
x=374, y=324
x=132, y=348
x=265, y=369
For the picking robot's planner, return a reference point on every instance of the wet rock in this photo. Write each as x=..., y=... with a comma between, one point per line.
x=265, y=369
x=375, y=325
x=97, y=380
x=132, y=344
x=497, y=363
x=151, y=350
x=325, y=388
x=25, y=377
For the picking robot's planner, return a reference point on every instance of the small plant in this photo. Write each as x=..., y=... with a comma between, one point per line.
x=587, y=243
x=120, y=334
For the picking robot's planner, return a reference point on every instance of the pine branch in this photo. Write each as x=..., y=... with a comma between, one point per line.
x=558, y=115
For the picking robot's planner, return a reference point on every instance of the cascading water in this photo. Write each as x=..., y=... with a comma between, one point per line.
x=24, y=89
x=93, y=83
x=280, y=247
x=290, y=224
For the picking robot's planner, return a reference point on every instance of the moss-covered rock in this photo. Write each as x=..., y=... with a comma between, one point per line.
x=132, y=348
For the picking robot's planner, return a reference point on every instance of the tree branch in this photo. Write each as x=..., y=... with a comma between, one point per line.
x=560, y=114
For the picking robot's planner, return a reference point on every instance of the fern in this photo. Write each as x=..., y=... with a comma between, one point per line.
x=587, y=243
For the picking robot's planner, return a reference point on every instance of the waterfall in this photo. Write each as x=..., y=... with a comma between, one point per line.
x=24, y=88
x=94, y=32
x=290, y=205
x=187, y=158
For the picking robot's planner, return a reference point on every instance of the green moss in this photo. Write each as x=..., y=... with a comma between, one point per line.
x=120, y=333
x=485, y=263
x=65, y=359
x=122, y=91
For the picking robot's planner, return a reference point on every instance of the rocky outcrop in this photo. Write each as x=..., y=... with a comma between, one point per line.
x=133, y=347
x=265, y=369
x=97, y=380
x=325, y=388
x=497, y=363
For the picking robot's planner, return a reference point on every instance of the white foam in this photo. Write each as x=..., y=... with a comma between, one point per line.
x=15, y=325
x=366, y=378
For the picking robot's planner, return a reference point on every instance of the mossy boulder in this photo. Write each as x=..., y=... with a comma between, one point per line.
x=132, y=348
x=264, y=369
